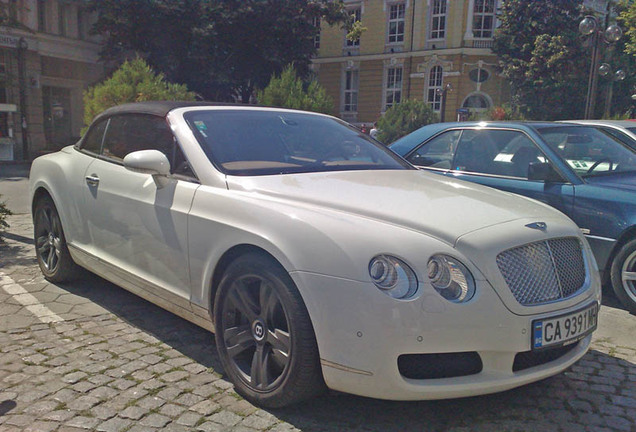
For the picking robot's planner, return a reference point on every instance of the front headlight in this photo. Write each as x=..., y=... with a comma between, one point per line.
x=451, y=278
x=393, y=276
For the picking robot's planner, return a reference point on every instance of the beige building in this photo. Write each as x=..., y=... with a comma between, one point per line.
x=424, y=49
x=47, y=59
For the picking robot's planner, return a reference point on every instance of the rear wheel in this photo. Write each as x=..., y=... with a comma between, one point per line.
x=623, y=275
x=51, y=250
x=264, y=336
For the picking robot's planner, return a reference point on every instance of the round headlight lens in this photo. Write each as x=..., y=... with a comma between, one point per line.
x=393, y=276
x=451, y=278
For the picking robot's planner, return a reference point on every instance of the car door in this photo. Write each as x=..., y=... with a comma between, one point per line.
x=134, y=224
x=498, y=158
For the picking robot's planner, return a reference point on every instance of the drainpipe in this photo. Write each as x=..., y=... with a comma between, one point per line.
x=408, y=88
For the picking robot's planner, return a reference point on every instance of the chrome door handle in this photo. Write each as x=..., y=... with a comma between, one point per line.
x=92, y=180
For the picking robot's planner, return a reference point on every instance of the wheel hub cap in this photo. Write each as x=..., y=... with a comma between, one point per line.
x=258, y=330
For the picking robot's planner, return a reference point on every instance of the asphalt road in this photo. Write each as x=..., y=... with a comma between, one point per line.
x=90, y=356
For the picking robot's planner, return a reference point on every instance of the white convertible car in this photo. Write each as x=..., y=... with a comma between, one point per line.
x=318, y=257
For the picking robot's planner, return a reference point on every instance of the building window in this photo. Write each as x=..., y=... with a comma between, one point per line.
x=434, y=90
x=42, y=16
x=61, y=16
x=350, y=96
x=438, y=19
x=4, y=116
x=316, y=23
x=13, y=11
x=483, y=18
x=393, y=93
x=396, y=23
x=82, y=24
x=478, y=75
x=356, y=16
x=476, y=102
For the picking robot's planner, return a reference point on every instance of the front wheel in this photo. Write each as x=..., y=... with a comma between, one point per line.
x=51, y=251
x=264, y=336
x=623, y=275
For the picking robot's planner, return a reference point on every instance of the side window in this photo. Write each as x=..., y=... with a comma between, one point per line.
x=496, y=152
x=93, y=140
x=438, y=152
x=115, y=140
x=130, y=133
x=621, y=136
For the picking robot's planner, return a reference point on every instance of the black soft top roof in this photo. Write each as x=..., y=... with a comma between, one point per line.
x=158, y=108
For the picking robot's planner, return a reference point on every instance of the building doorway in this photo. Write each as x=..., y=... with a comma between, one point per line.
x=56, y=102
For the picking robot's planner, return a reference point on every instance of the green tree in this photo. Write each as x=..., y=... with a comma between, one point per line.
x=622, y=104
x=289, y=91
x=134, y=81
x=543, y=57
x=222, y=49
x=404, y=118
x=627, y=19
x=4, y=212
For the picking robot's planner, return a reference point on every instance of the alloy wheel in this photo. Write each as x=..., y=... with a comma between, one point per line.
x=628, y=275
x=48, y=238
x=256, y=332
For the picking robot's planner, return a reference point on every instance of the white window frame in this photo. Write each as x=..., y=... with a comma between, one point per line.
x=480, y=10
x=390, y=86
x=435, y=84
x=396, y=38
x=350, y=89
x=438, y=11
x=357, y=12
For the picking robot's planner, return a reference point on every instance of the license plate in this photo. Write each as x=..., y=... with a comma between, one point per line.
x=564, y=329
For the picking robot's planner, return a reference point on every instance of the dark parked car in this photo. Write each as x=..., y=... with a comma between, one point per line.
x=581, y=170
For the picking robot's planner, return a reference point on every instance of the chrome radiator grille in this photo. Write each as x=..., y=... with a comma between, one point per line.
x=544, y=271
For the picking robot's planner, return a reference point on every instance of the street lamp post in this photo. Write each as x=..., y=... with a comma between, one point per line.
x=442, y=92
x=22, y=49
x=619, y=75
x=590, y=26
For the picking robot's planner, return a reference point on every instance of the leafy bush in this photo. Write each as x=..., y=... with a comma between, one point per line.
x=4, y=212
x=404, y=118
x=134, y=81
x=289, y=91
x=502, y=113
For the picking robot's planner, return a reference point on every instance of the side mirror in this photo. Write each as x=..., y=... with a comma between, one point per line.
x=151, y=162
x=544, y=171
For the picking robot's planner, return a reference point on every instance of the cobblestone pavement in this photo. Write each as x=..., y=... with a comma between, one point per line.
x=97, y=358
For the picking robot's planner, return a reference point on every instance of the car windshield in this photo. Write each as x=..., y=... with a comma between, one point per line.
x=631, y=129
x=589, y=151
x=262, y=142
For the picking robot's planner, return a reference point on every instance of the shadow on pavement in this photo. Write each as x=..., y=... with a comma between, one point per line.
x=180, y=334
x=14, y=255
x=538, y=406
x=6, y=406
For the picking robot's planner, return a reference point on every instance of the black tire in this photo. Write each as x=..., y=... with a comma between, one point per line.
x=51, y=250
x=623, y=275
x=264, y=335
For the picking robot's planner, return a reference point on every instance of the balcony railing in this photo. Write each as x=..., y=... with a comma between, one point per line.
x=482, y=43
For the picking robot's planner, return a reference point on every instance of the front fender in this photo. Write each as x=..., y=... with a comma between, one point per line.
x=301, y=237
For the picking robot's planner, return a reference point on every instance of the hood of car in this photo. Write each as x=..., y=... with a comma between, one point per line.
x=626, y=181
x=416, y=200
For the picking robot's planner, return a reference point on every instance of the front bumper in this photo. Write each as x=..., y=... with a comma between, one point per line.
x=361, y=333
